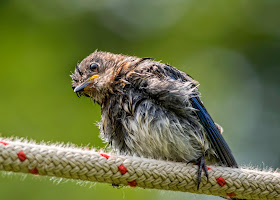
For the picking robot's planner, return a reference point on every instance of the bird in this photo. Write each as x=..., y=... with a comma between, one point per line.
x=151, y=109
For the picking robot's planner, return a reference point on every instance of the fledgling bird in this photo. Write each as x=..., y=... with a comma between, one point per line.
x=151, y=109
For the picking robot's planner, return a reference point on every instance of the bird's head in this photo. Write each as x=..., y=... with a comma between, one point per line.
x=96, y=75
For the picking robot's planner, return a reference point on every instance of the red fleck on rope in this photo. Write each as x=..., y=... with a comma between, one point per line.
x=132, y=183
x=105, y=155
x=34, y=171
x=231, y=194
x=21, y=155
x=78, y=163
x=221, y=181
x=5, y=143
x=122, y=169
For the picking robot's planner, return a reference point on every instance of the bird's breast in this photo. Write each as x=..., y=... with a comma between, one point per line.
x=139, y=126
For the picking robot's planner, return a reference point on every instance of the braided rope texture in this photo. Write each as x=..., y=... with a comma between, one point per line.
x=18, y=155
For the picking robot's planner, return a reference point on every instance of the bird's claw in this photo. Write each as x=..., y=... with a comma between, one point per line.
x=201, y=166
x=116, y=186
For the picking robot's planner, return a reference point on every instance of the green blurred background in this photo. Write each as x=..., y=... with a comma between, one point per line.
x=231, y=47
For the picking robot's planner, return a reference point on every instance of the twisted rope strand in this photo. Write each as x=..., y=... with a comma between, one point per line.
x=17, y=155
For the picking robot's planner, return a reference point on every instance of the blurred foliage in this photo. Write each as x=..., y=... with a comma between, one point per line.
x=231, y=47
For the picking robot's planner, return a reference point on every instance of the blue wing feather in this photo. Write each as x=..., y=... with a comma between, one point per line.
x=216, y=139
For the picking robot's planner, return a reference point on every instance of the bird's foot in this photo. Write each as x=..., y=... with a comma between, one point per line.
x=117, y=186
x=201, y=166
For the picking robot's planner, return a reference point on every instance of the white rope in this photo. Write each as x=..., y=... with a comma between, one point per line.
x=76, y=163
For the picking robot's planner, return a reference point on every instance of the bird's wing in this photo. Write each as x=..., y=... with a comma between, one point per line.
x=215, y=137
x=217, y=141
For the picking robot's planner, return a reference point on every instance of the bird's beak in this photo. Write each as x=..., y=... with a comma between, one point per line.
x=82, y=86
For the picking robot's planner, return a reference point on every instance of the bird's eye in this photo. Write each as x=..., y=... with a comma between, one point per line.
x=94, y=67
